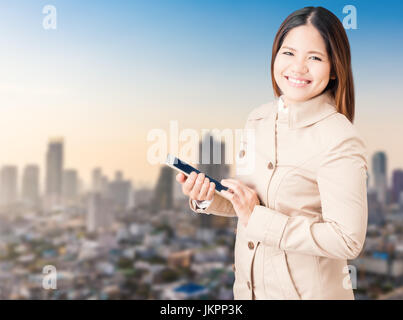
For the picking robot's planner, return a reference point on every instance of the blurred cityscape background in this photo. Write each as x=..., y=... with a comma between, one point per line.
x=78, y=101
x=110, y=240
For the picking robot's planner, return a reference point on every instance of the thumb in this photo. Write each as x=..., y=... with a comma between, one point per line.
x=180, y=177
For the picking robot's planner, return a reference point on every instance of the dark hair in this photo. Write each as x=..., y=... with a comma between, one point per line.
x=338, y=50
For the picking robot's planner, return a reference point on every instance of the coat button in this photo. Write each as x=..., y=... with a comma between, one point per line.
x=270, y=165
x=242, y=153
x=251, y=245
x=248, y=285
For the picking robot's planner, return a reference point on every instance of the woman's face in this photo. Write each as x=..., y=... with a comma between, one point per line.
x=302, y=67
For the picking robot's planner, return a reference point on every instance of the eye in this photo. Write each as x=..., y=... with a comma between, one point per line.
x=288, y=53
x=316, y=58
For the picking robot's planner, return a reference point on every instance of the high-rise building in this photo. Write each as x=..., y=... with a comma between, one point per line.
x=99, y=214
x=120, y=190
x=163, y=192
x=379, y=170
x=80, y=185
x=212, y=163
x=397, y=184
x=8, y=185
x=97, y=180
x=118, y=176
x=70, y=184
x=104, y=185
x=375, y=212
x=212, y=158
x=143, y=197
x=54, y=167
x=30, y=185
x=400, y=201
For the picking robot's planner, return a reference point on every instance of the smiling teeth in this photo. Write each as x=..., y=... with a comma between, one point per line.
x=297, y=81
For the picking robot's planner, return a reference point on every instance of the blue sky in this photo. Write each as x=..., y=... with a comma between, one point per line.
x=113, y=70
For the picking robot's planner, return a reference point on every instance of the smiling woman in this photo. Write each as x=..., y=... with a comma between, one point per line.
x=297, y=66
x=302, y=211
x=314, y=54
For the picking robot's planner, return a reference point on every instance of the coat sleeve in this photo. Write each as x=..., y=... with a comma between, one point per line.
x=340, y=233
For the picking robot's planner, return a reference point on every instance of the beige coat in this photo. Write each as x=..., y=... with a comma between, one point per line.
x=310, y=172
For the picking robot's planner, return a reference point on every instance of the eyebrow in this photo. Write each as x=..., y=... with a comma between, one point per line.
x=313, y=51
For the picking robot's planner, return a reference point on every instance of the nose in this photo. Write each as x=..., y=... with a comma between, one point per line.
x=299, y=67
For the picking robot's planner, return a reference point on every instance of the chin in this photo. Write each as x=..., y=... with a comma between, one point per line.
x=296, y=96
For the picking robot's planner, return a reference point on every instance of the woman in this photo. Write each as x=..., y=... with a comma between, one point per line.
x=302, y=212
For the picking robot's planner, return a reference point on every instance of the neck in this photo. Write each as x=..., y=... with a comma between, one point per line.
x=288, y=101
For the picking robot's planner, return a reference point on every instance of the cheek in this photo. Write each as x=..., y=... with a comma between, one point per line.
x=278, y=68
x=320, y=73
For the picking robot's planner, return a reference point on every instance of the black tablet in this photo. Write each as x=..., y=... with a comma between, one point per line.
x=187, y=169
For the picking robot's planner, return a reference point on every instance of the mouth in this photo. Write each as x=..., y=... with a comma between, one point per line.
x=297, y=82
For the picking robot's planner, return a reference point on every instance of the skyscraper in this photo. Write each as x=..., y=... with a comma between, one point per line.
x=104, y=185
x=100, y=213
x=30, y=185
x=212, y=163
x=119, y=190
x=54, y=175
x=70, y=184
x=379, y=169
x=397, y=184
x=8, y=185
x=163, y=192
x=54, y=167
x=97, y=180
x=212, y=158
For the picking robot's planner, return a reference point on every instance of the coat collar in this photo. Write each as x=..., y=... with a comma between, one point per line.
x=302, y=114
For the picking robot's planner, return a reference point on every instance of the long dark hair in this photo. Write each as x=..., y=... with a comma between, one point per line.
x=338, y=50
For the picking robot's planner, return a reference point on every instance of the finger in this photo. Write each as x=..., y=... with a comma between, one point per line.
x=245, y=186
x=180, y=177
x=210, y=192
x=237, y=202
x=227, y=195
x=236, y=182
x=250, y=186
x=233, y=197
x=236, y=187
x=248, y=194
x=248, y=190
x=194, y=193
x=188, y=185
x=204, y=189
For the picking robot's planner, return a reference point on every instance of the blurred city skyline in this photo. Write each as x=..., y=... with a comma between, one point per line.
x=110, y=73
x=113, y=242
x=35, y=181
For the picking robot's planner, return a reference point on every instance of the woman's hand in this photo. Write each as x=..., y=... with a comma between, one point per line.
x=196, y=186
x=243, y=198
